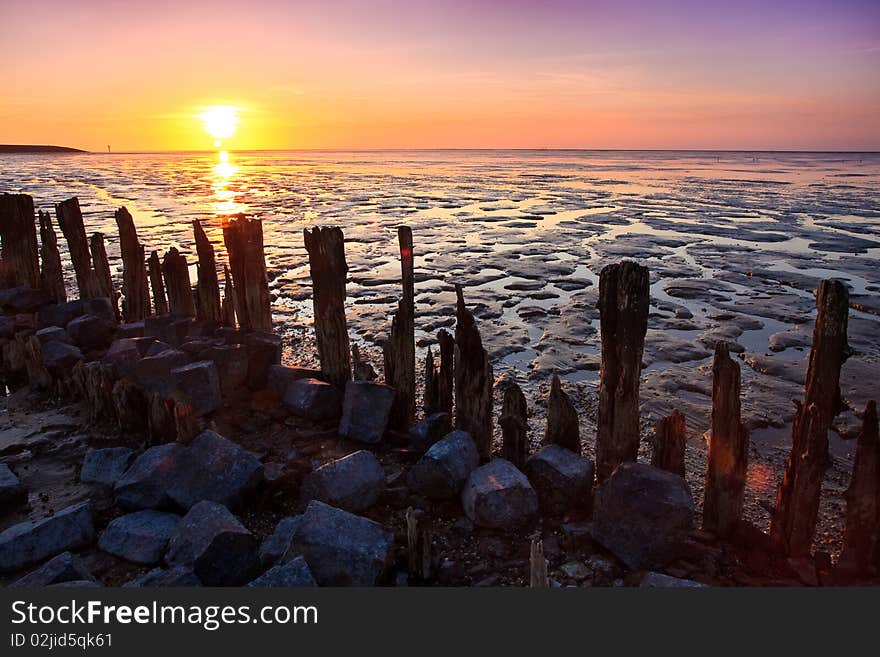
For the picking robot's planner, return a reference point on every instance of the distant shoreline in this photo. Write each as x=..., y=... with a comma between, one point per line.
x=30, y=148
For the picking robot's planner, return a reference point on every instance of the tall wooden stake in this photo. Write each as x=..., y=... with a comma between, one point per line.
x=669, y=439
x=103, y=278
x=446, y=372
x=473, y=380
x=175, y=271
x=861, y=543
x=52, y=275
x=19, y=259
x=227, y=310
x=514, y=426
x=431, y=397
x=400, y=350
x=160, y=301
x=562, y=419
x=207, y=287
x=537, y=565
x=70, y=221
x=135, y=290
x=243, y=237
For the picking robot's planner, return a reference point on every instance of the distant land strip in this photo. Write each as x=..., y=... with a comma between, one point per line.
x=30, y=148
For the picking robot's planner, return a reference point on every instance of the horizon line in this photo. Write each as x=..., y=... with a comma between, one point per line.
x=487, y=149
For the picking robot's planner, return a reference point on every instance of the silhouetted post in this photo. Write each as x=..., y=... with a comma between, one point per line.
x=135, y=290
x=669, y=439
x=243, y=237
x=418, y=544
x=562, y=419
x=103, y=279
x=160, y=301
x=328, y=269
x=446, y=372
x=537, y=565
x=51, y=275
x=728, y=456
x=861, y=543
x=207, y=287
x=623, y=311
x=431, y=397
x=797, y=499
x=361, y=368
x=227, y=309
x=514, y=426
x=473, y=380
x=70, y=221
x=19, y=260
x=400, y=350
x=175, y=271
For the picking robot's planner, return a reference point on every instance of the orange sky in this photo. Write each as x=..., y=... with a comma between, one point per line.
x=475, y=74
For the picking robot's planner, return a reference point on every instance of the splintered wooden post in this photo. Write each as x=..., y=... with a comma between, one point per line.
x=70, y=221
x=243, y=237
x=431, y=398
x=537, y=565
x=623, y=311
x=669, y=438
x=797, y=498
x=418, y=542
x=135, y=290
x=175, y=271
x=227, y=310
x=473, y=380
x=400, y=350
x=861, y=542
x=562, y=419
x=51, y=275
x=362, y=370
x=328, y=269
x=19, y=259
x=103, y=278
x=207, y=287
x=728, y=456
x=160, y=301
x=514, y=426
x=446, y=372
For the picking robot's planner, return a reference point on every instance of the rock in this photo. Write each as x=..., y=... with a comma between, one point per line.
x=141, y=537
x=275, y=546
x=342, y=549
x=576, y=570
x=90, y=332
x=562, y=479
x=160, y=577
x=154, y=370
x=7, y=327
x=643, y=515
x=100, y=307
x=499, y=496
x=145, y=484
x=198, y=385
x=429, y=430
x=232, y=366
x=11, y=490
x=280, y=376
x=215, y=469
x=263, y=350
x=60, y=357
x=443, y=470
x=34, y=540
x=63, y=568
x=59, y=314
x=313, y=399
x=106, y=466
x=77, y=584
x=352, y=483
x=652, y=580
x=294, y=573
x=211, y=541
x=130, y=330
x=22, y=299
x=124, y=353
x=366, y=407
x=52, y=334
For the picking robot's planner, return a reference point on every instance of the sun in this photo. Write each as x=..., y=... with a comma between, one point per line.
x=220, y=121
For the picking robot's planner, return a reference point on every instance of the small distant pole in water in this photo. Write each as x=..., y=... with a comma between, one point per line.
x=108, y=148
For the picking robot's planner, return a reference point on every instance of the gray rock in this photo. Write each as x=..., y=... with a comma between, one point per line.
x=160, y=577
x=77, y=584
x=63, y=568
x=90, y=332
x=352, y=483
x=198, y=385
x=145, y=484
x=130, y=330
x=643, y=514
x=232, y=366
x=100, y=307
x=429, y=430
x=280, y=376
x=106, y=466
x=313, y=399
x=52, y=334
x=124, y=353
x=499, y=496
x=215, y=545
x=22, y=299
x=366, y=407
x=215, y=469
x=59, y=314
x=562, y=479
x=275, y=546
x=443, y=470
x=34, y=540
x=342, y=549
x=294, y=573
x=654, y=580
x=141, y=537
x=154, y=370
x=60, y=357
x=11, y=489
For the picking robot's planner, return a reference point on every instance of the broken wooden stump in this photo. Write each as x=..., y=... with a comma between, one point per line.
x=400, y=349
x=514, y=426
x=207, y=287
x=19, y=258
x=623, y=310
x=562, y=428
x=160, y=301
x=418, y=545
x=431, y=395
x=537, y=565
x=473, y=380
x=728, y=456
x=669, y=440
x=861, y=542
x=446, y=372
x=797, y=498
x=103, y=279
x=328, y=269
x=135, y=288
x=362, y=370
x=51, y=274
x=227, y=309
x=243, y=237
x=175, y=272
x=70, y=221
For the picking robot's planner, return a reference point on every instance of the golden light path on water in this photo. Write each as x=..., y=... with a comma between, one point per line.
x=225, y=186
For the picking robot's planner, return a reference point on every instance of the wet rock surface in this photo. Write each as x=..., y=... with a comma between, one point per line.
x=32, y=541
x=443, y=470
x=141, y=536
x=294, y=573
x=499, y=496
x=353, y=483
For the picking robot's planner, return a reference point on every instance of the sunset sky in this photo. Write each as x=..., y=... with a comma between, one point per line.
x=462, y=74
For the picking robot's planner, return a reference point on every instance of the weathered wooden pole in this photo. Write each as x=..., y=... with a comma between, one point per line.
x=160, y=301
x=861, y=543
x=418, y=544
x=562, y=428
x=623, y=311
x=19, y=258
x=103, y=278
x=361, y=368
x=400, y=349
x=537, y=565
x=208, y=287
x=70, y=221
x=175, y=271
x=51, y=275
x=669, y=440
x=227, y=310
x=797, y=498
x=473, y=380
x=135, y=289
x=446, y=372
x=514, y=426
x=728, y=456
x=328, y=269
x=243, y=237
x=431, y=396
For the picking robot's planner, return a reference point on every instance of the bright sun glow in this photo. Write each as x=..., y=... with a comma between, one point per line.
x=220, y=121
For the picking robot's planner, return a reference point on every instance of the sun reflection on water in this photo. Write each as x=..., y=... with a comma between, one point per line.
x=225, y=185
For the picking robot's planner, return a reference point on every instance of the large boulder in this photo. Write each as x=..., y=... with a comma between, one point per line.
x=215, y=545
x=59, y=314
x=60, y=357
x=342, y=549
x=22, y=299
x=443, y=470
x=90, y=332
x=141, y=537
x=280, y=376
x=106, y=466
x=145, y=484
x=353, y=483
x=154, y=370
x=11, y=490
x=428, y=431
x=562, y=479
x=52, y=334
x=499, y=496
x=643, y=515
x=366, y=408
x=34, y=540
x=313, y=399
x=294, y=573
x=276, y=544
x=63, y=568
x=198, y=385
x=232, y=366
x=178, y=576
